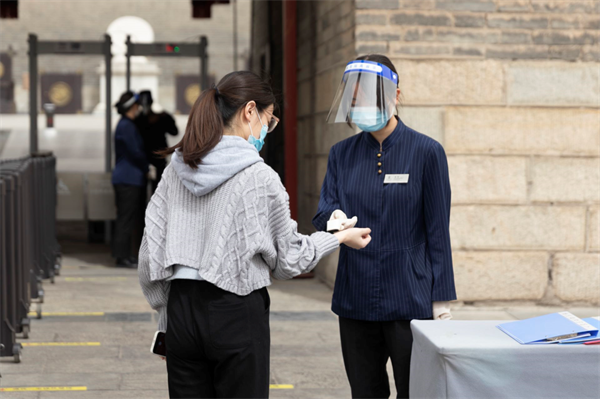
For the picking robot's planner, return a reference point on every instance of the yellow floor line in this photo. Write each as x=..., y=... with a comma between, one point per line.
x=68, y=313
x=33, y=389
x=280, y=386
x=61, y=344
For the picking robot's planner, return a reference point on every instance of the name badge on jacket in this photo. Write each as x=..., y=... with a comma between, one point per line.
x=395, y=179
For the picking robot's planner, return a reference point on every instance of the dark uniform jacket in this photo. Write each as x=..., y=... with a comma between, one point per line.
x=131, y=164
x=408, y=264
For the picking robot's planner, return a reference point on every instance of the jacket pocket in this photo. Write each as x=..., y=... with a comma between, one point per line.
x=229, y=324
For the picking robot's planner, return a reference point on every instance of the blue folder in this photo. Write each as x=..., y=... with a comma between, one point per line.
x=594, y=321
x=548, y=328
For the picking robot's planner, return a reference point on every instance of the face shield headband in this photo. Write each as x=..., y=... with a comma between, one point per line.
x=129, y=103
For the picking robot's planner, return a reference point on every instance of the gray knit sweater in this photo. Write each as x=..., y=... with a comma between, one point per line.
x=235, y=236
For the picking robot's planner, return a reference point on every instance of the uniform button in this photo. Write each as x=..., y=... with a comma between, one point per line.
x=379, y=155
x=380, y=172
x=379, y=164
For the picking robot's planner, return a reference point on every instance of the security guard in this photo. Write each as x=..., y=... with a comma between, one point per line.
x=153, y=127
x=394, y=180
x=129, y=182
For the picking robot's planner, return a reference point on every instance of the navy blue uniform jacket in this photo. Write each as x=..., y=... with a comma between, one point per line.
x=131, y=164
x=408, y=263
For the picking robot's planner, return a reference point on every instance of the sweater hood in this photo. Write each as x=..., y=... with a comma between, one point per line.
x=232, y=155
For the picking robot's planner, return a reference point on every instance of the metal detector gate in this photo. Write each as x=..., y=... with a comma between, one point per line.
x=164, y=49
x=68, y=48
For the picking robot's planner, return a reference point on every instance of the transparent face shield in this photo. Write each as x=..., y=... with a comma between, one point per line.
x=146, y=102
x=366, y=96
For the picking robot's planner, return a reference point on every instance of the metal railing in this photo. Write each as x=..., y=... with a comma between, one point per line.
x=29, y=251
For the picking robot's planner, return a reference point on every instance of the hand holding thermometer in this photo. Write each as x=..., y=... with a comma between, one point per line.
x=339, y=221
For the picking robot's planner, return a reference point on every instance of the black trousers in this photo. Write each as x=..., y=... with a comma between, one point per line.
x=129, y=226
x=218, y=343
x=367, y=346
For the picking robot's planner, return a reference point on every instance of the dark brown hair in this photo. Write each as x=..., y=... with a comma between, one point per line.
x=215, y=108
x=380, y=58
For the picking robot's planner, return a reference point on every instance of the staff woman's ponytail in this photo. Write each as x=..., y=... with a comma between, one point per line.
x=215, y=109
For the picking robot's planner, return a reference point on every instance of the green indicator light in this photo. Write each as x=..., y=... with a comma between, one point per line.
x=176, y=49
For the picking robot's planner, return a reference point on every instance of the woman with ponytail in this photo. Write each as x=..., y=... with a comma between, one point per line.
x=217, y=228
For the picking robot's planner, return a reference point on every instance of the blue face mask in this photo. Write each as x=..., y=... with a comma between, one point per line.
x=374, y=119
x=258, y=143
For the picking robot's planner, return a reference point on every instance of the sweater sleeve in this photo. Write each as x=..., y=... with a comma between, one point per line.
x=152, y=251
x=291, y=253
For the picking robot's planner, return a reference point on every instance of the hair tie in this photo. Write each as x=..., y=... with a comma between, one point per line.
x=217, y=91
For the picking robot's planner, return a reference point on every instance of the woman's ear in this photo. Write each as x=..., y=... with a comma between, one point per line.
x=398, y=92
x=249, y=110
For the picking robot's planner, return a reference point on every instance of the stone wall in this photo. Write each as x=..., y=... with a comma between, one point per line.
x=512, y=91
x=326, y=42
x=88, y=20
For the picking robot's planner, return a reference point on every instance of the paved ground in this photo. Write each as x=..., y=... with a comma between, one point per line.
x=113, y=359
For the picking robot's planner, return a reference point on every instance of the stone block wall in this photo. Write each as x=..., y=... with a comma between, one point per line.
x=326, y=42
x=512, y=91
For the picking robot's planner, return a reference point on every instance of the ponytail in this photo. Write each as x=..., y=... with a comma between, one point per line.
x=203, y=132
x=214, y=109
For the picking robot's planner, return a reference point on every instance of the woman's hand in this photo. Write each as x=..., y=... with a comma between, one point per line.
x=151, y=175
x=354, y=237
x=441, y=311
x=339, y=221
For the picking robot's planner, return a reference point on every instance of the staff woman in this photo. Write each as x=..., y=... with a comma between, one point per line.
x=394, y=180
